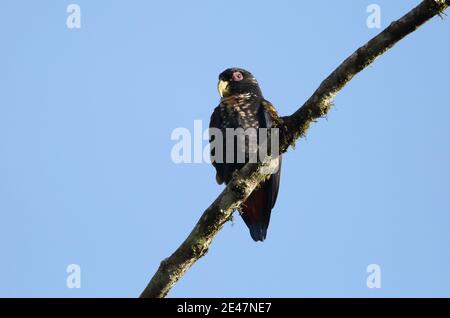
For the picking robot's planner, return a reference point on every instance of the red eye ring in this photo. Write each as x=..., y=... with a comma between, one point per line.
x=237, y=76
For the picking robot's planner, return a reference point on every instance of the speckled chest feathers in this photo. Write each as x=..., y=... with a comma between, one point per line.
x=240, y=111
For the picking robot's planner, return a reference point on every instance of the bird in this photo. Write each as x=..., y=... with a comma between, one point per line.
x=242, y=105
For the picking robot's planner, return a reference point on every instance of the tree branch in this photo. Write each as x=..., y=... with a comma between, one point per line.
x=291, y=128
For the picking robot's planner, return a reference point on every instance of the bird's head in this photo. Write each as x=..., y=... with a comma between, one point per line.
x=235, y=80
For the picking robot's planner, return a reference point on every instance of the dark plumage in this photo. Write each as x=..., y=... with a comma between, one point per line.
x=242, y=105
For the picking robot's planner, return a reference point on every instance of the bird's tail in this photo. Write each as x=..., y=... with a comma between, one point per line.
x=258, y=206
x=256, y=212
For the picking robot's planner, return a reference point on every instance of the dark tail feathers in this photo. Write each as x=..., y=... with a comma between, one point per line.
x=256, y=212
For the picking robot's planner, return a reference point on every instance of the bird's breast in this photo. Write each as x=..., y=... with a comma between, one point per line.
x=240, y=111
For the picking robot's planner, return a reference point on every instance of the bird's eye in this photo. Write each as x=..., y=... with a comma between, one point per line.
x=237, y=76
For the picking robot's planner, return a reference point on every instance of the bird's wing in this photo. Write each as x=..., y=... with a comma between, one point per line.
x=216, y=122
x=258, y=206
x=272, y=118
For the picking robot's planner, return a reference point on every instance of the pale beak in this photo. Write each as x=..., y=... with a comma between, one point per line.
x=222, y=87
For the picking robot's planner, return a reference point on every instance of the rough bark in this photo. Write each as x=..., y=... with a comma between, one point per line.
x=291, y=127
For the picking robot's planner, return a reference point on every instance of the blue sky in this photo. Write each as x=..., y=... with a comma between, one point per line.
x=86, y=175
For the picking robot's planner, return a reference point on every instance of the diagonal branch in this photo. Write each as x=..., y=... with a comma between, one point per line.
x=291, y=128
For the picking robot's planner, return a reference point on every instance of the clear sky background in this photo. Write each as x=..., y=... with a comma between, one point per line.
x=86, y=175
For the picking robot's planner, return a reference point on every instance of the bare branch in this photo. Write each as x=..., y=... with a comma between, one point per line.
x=292, y=127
